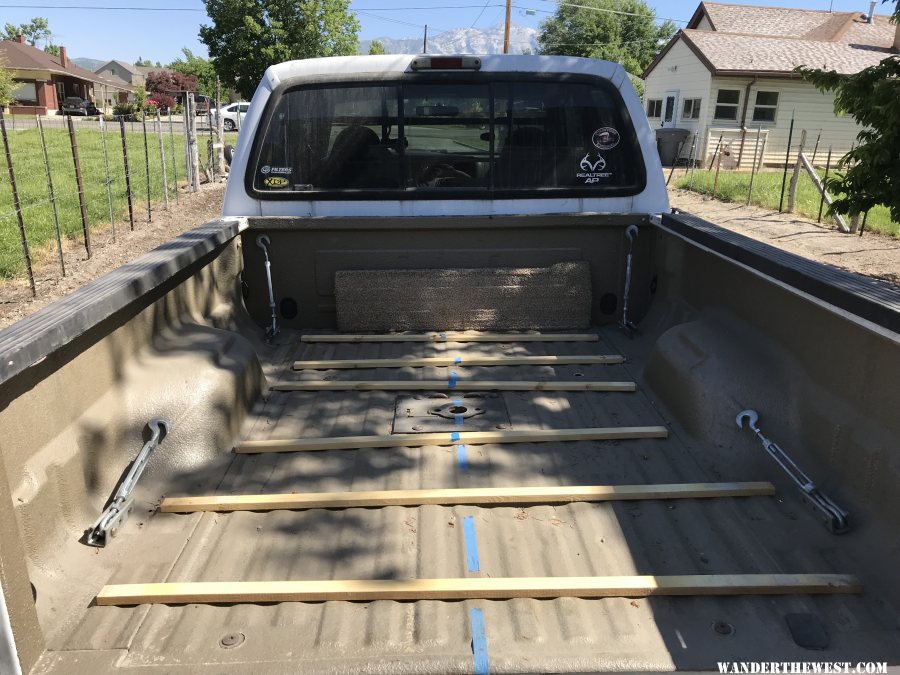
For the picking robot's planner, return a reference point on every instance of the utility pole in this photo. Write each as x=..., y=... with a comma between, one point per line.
x=425, y=41
x=506, y=30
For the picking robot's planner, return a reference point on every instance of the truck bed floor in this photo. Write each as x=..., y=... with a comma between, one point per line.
x=659, y=537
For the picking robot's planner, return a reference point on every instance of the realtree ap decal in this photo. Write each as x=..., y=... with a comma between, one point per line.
x=592, y=170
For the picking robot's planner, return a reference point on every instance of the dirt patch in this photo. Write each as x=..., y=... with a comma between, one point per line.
x=191, y=211
x=873, y=255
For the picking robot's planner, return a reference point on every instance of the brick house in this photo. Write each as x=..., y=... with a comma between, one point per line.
x=43, y=80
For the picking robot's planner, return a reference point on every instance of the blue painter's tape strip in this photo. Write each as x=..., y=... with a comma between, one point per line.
x=457, y=401
x=454, y=437
x=461, y=457
x=458, y=420
x=443, y=336
x=454, y=376
x=458, y=359
x=471, y=544
x=479, y=642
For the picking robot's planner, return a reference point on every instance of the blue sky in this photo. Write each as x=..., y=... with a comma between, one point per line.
x=160, y=35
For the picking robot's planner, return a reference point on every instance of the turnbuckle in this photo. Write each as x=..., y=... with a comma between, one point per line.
x=115, y=514
x=834, y=517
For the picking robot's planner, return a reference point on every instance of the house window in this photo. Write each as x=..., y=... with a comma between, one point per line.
x=727, y=104
x=766, y=103
x=654, y=107
x=25, y=93
x=691, y=109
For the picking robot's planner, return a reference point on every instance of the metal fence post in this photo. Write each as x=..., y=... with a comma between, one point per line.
x=112, y=218
x=80, y=182
x=128, y=192
x=795, y=178
x=51, y=195
x=15, y=195
x=162, y=160
x=174, y=157
x=753, y=168
x=787, y=159
x=147, y=166
x=824, y=187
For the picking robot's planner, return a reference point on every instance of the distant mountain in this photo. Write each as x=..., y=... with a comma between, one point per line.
x=90, y=64
x=463, y=41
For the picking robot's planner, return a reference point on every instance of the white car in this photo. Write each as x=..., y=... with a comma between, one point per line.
x=233, y=115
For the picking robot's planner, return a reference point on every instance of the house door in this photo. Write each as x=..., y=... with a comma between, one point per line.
x=670, y=104
x=60, y=94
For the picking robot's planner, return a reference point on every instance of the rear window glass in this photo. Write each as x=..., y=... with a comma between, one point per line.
x=449, y=138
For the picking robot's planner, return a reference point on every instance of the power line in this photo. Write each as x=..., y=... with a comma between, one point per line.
x=608, y=11
x=480, y=13
x=83, y=7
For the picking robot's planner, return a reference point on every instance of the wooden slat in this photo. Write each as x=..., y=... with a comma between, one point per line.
x=469, y=496
x=492, y=588
x=455, y=337
x=444, y=385
x=461, y=361
x=445, y=438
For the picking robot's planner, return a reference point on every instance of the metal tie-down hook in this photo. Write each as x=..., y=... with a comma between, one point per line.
x=631, y=233
x=834, y=517
x=264, y=242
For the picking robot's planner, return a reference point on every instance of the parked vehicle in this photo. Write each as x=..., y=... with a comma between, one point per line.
x=233, y=115
x=75, y=105
x=584, y=445
x=202, y=104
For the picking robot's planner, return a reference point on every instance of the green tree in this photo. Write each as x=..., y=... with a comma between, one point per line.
x=199, y=68
x=52, y=49
x=377, y=47
x=869, y=174
x=36, y=29
x=6, y=84
x=247, y=36
x=616, y=30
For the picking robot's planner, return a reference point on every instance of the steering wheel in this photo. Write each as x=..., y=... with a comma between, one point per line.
x=436, y=175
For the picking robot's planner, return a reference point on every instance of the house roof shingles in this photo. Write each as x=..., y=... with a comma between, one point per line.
x=768, y=54
x=122, y=64
x=775, y=40
x=22, y=56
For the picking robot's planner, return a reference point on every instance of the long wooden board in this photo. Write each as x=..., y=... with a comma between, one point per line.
x=460, y=361
x=454, y=337
x=446, y=438
x=444, y=385
x=493, y=588
x=469, y=496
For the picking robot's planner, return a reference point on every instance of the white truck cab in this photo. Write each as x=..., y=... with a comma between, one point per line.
x=401, y=135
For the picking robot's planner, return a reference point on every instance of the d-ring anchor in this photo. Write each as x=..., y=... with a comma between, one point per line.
x=834, y=517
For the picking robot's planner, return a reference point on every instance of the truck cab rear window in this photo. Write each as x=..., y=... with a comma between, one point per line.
x=453, y=139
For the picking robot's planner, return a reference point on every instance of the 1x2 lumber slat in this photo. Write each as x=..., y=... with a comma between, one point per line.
x=465, y=496
x=476, y=588
x=444, y=385
x=446, y=438
x=455, y=337
x=460, y=361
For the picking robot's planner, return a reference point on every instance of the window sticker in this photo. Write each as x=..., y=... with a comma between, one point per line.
x=605, y=138
x=275, y=182
x=592, y=170
x=276, y=170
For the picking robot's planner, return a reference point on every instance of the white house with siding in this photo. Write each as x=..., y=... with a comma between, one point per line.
x=729, y=75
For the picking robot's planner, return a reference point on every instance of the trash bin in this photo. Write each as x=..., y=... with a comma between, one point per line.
x=668, y=141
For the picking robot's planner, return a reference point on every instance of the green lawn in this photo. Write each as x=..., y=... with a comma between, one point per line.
x=31, y=180
x=733, y=187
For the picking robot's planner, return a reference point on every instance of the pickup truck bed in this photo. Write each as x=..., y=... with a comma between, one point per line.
x=766, y=535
